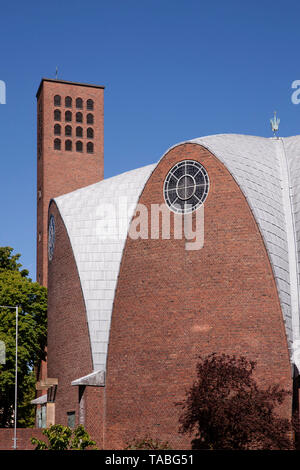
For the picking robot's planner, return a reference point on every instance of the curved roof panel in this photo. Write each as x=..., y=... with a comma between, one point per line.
x=94, y=227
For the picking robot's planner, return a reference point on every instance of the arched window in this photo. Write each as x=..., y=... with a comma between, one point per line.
x=57, y=115
x=78, y=117
x=90, y=147
x=57, y=129
x=78, y=131
x=68, y=102
x=57, y=100
x=79, y=103
x=68, y=145
x=90, y=104
x=68, y=116
x=90, y=133
x=68, y=130
x=57, y=144
x=90, y=118
x=78, y=146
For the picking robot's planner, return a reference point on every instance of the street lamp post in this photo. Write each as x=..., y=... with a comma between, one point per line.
x=16, y=376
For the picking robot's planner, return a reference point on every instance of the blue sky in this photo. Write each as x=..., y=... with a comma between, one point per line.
x=173, y=70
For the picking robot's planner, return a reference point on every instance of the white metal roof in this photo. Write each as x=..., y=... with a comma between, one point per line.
x=268, y=173
x=88, y=214
x=40, y=400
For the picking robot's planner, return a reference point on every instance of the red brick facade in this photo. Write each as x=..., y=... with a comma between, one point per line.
x=170, y=306
x=24, y=436
x=62, y=171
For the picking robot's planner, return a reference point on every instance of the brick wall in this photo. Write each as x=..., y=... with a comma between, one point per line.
x=61, y=171
x=23, y=438
x=172, y=305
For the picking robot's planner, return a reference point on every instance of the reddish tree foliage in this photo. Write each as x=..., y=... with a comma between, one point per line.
x=226, y=409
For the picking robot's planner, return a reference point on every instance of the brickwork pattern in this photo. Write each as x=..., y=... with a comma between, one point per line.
x=60, y=171
x=172, y=305
x=23, y=438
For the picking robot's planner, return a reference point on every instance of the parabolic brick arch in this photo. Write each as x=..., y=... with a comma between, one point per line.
x=128, y=316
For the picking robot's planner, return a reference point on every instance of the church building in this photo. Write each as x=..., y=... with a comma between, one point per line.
x=194, y=254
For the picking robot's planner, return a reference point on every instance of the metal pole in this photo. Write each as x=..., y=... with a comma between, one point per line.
x=16, y=383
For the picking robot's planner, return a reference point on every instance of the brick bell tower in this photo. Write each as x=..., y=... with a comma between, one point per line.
x=69, y=156
x=69, y=148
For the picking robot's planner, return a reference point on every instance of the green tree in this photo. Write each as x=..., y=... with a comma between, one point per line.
x=9, y=262
x=17, y=289
x=226, y=409
x=64, y=438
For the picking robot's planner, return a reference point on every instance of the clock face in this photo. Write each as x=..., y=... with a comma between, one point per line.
x=51, y=237
x=186, y=187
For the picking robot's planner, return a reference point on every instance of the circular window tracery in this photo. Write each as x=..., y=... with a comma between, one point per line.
x=186, y=186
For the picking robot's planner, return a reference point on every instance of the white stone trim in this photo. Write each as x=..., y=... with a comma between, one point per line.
x=40, y=400
x=95, y=379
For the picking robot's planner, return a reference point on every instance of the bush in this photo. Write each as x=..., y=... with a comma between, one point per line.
x=64, y=438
